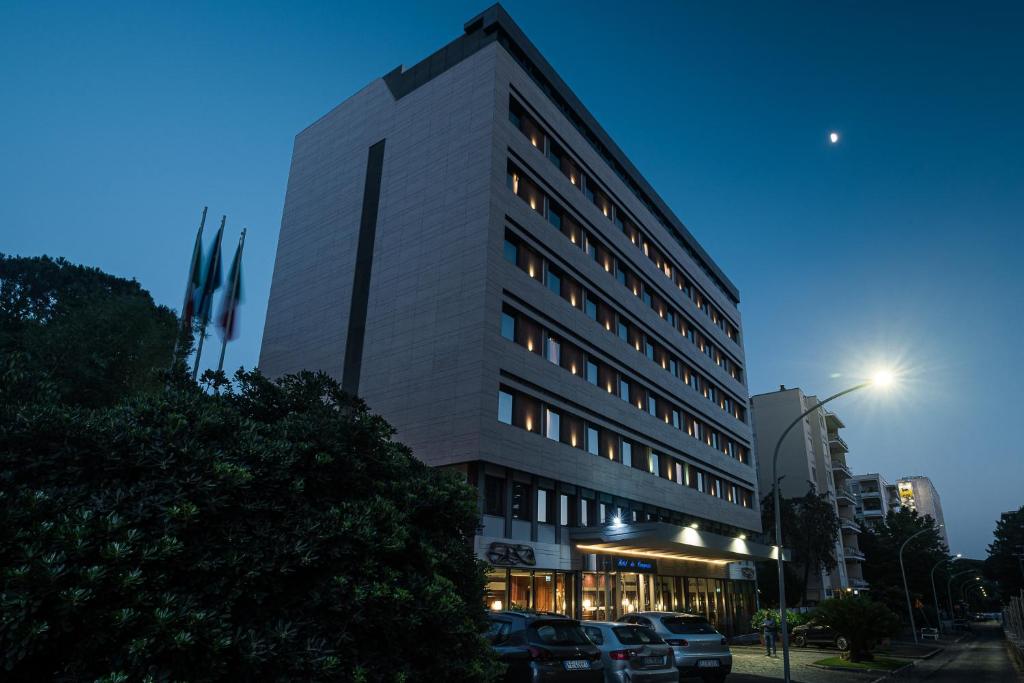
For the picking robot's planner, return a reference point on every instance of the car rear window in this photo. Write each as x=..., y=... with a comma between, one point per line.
x=560, y=632
x=636, y=635
x=687, y=625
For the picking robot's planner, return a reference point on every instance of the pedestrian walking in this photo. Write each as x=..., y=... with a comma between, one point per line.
x=770, y=629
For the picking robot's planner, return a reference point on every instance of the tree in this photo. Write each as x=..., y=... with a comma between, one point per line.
x=80, y=334
x=861, y=620
x=1005, y=561
x=809, y=529
x=881, y=547
x=272, y=532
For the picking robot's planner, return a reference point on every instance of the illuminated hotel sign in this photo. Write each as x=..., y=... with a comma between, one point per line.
x=634, y=564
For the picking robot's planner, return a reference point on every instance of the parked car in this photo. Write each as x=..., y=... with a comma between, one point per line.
x=697, y=648
x=543, y=646
x=816, y=632
x=632, y=653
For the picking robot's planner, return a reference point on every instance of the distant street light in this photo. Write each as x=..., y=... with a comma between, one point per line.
x=935, y=594
x=910, y=609
x=949, y=587
x=881, y=379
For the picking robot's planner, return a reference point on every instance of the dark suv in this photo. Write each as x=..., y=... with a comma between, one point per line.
x=543, y=646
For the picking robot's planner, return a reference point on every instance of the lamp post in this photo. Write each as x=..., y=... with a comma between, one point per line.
x=935, y=594
x=880, y=379
x=906, y=590
x=949, y=587
x=968, y=586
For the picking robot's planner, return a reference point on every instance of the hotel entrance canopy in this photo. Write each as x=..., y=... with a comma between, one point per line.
x=660, y=540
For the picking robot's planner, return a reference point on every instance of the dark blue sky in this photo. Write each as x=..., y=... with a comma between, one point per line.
x=901, y=244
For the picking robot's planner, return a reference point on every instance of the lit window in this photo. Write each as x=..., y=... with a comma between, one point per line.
x=563, y=508
x=554, y=351
x=679, y=473
x=505, y=407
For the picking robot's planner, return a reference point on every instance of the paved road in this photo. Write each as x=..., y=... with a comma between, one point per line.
x=981, y=657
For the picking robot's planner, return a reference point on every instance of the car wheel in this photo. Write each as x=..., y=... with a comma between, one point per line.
x=800, y=641
x=842, y=643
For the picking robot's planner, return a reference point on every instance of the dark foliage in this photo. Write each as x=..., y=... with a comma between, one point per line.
x=1005, y=561
x=862, y=620
x=809, y=529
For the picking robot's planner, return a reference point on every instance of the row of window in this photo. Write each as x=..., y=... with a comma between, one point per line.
x=592, y=190
x=521, y=410
x=518, y=328
x=528, y=191
x=537, y=267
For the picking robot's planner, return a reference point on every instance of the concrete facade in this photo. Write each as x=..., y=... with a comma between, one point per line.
x=875, y=497
x=436, y=361
x=812, y=458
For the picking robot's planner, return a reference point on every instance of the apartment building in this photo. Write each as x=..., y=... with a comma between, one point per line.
x=875, y=498
x=812, y=458
x=918, y=493
x=467, y=249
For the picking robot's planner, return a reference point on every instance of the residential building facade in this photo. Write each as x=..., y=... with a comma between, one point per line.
x=464, y=247
x=812, y=458
x=875, y=498
x=918, y=493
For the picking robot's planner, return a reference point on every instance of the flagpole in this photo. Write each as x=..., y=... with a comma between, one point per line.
x=229, y=323
x=188, y=291
x=206, y=308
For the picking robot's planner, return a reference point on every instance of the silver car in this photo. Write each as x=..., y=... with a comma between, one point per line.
x=631, y=653
x=697, y=648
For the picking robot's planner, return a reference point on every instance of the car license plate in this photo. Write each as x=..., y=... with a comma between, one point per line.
x=574, y=664
x=652, y=660
x=707, y=663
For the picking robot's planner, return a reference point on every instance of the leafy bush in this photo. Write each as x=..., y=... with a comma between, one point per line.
x=275, y=532
x=862, y=620
x=792, y=618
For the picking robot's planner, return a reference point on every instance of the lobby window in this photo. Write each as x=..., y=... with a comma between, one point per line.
x=521, y=501
x=552, y=425
x=508, y=326
x=494, y=496
x=505, y=407
x=593, y=441
x=627, y=454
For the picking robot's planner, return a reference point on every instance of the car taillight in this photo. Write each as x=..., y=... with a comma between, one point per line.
x=678, y=642
x=594, y=656
x=622, y=654
x=540, y=653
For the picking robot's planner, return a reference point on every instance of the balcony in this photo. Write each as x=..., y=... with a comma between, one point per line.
x=870, y=494
x=853, y=554
x=836, y=444
x=844, y=496
x=859, y=583
x=840, y=467
x=848, y=525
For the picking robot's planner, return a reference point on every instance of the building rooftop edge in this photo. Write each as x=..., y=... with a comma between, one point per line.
x=484, y=29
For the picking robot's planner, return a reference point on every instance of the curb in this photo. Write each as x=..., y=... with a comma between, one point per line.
x=895, y=672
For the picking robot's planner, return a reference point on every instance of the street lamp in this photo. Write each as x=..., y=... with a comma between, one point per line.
x=910, y=609
x=949, y=587
x=882, y=378
x=968, y=586
x=935, y=594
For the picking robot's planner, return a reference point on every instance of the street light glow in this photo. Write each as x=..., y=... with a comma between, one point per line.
x=833, y=137
x=883, y=378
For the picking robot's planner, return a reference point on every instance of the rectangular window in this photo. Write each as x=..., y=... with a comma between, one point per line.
x=590, y=308
x=592, y=372
x=520, y=500
x=627, y=454
x=602, y=513
x=553, y=350
x=624, y=390
x=679, y=474
x=593, y=446
x=511, y=253
x=655, y=464
x=554, y=282
x=563, y=509
x=675, y=419
x=623, y=330
x=553, y=424
x=494, y=496
x=543, y=500
x=505, y=407
x=554, y=218
x=508, y=327
x=652, y=404
x=584, y=512
x=649, y=350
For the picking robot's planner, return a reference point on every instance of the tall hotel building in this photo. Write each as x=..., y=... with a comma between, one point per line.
x=467, y=249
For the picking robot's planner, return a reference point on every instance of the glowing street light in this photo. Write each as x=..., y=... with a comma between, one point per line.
x=833, y=137
x=935, y=595
x=880, y=379
x=910, y=610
